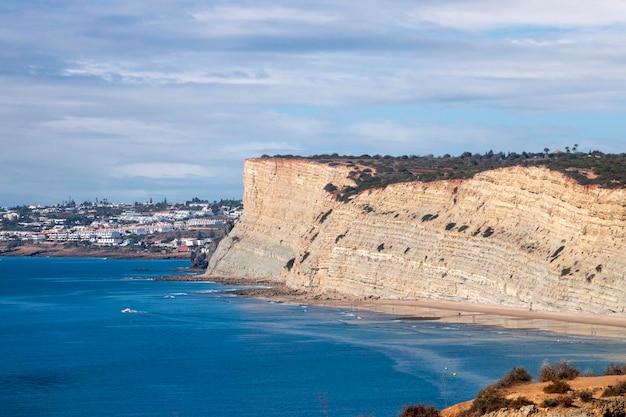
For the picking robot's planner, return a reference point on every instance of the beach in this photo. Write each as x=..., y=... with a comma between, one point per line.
x=567, y=323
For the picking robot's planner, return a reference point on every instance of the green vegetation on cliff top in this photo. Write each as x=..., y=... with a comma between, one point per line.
x=592, y=168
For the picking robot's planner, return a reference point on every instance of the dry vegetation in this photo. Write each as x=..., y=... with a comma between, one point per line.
x=602, y=395
x=604, y=170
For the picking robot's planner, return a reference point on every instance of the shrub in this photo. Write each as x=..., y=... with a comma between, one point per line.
x=585, y=395
x=615, y=390
x=488, y=400
x=418, y=410
x=450, y=226
x=557, y=387
x=564, y=370
x=615, y=369
x=380, y=247
x=565, y=400
x=549, y=403
x=14, y=244
x=515, y=376
x=463, y=228
x=488, y=232
x=520, y=402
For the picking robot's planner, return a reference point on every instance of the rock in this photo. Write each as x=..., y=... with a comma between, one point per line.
x=521, y=236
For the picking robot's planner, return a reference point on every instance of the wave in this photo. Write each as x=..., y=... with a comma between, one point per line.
x=129, y=310
x=207, y=291
x=137, y=279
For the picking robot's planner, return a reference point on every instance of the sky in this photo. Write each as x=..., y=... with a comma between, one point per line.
x=137, y=100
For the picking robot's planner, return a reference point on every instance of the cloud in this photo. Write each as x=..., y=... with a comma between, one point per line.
x=488, y=14
x=163, y=98
x=271, y=14
x=162, y=170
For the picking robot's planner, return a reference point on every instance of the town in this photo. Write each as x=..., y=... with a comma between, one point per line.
x=192, y=228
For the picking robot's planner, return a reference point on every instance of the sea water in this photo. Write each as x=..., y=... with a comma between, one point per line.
x=102, y=337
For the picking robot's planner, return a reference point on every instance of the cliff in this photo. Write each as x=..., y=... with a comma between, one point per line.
x=511, y=236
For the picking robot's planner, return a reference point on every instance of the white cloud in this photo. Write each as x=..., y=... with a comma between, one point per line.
x=489, y=14
x=115, y=96
x=162, y=170
x=263, y=14
x=125, y=73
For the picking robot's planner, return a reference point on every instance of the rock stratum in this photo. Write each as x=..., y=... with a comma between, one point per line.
x=517, y=236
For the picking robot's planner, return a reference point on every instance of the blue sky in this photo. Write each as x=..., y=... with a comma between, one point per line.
x=165, y=99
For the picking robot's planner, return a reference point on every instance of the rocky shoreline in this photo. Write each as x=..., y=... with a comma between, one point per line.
x=63, y=251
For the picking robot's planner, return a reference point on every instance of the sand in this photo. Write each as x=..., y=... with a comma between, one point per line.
x=579, y=324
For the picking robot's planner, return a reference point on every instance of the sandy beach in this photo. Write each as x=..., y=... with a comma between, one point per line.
x=573, y=324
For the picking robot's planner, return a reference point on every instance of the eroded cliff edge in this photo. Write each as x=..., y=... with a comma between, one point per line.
x=511, y=236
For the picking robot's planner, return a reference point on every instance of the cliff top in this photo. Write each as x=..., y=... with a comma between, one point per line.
x=591, y=394
x=592, y=168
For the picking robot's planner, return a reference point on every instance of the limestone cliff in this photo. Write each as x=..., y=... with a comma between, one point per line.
x=512, y=236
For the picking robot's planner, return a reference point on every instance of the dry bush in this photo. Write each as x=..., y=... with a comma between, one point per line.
x=515, y=376
x=488, y=400
x=561, y=400
x=584, y=395
x=549, y=403
x=615, y=369
x=557, y=387
x=419, y=410
x=565, y=400
x=563, y=370
x=520, y=402
x=615, y=390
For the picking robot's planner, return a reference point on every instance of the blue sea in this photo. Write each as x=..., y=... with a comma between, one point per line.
x=194, y=349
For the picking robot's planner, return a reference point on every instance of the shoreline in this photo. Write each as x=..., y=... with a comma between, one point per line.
x=453, y=312
x=61, y=251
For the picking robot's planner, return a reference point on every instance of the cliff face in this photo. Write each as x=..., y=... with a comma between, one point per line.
x=512, y=236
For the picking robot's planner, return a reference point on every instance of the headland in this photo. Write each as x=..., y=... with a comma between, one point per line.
x=507, y=246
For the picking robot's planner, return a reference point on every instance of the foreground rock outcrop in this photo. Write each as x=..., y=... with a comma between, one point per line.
x=514, y=236
x=586, y=398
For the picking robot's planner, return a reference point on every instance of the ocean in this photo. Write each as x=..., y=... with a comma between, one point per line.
x=102, y=337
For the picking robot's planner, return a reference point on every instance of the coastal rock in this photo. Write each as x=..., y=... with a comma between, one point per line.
x=521, y=236
x=596, y=408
